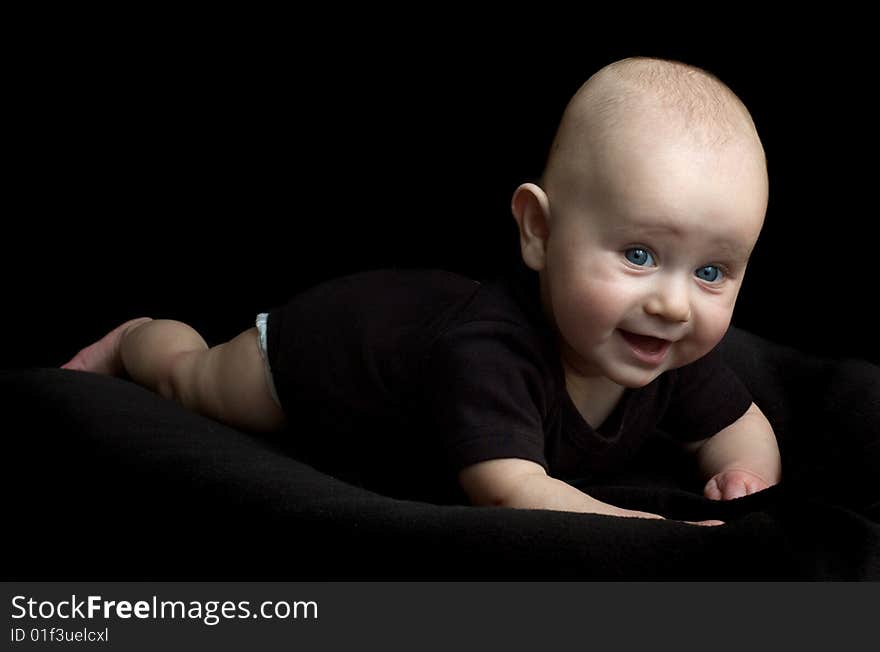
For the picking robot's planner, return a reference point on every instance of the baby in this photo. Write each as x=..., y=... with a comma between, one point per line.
x=634, y=245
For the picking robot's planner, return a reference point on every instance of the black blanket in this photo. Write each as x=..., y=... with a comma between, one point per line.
x=110, y=481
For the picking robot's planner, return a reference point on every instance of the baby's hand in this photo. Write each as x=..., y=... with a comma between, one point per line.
x=734, y=483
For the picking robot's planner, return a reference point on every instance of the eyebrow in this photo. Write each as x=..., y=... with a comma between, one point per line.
x=733, y=250
x=631, y=224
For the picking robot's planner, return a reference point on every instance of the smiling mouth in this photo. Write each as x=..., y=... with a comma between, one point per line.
x=648, y=348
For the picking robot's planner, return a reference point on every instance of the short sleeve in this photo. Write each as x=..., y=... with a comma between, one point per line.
x=707, y=396
x=485, y=385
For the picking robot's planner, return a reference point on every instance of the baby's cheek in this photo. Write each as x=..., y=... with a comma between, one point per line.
x=598, y=308
x=574, y=316
x=688, y=351
x=708, y=330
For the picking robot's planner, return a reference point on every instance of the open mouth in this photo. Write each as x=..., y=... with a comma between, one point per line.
x=646, y=347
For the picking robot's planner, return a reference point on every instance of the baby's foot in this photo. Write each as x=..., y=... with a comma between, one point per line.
x=103, y=356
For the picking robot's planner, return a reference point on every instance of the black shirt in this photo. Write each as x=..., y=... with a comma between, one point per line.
x=398, y=379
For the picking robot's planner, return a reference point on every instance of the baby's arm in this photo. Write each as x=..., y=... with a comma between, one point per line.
x=522, y=484
x=741, y=459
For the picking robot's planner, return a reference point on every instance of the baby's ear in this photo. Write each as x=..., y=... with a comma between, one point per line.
x=531, y=210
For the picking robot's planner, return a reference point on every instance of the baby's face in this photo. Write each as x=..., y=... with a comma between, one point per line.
x=645, y=259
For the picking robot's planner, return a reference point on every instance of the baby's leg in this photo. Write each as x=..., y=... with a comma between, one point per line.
x=226, y=383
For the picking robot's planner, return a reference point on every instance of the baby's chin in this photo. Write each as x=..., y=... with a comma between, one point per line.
x=633, y=376
x=634, y=380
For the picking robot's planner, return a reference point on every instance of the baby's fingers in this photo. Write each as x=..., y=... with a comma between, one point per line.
x=734, y=483
x=720, y=488
x=712, y=491
x=631, y=513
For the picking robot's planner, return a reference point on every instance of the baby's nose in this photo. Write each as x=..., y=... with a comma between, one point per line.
x=671, y=302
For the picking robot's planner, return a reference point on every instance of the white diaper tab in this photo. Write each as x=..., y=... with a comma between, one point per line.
x=264, y=352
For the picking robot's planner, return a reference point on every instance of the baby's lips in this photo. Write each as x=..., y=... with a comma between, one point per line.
x=646, y=343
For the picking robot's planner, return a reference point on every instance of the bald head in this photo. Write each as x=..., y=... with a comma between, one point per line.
x=643, y=99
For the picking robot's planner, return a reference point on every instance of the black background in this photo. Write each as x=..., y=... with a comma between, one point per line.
x=208, y=174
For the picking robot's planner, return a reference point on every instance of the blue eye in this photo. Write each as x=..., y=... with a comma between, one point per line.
x=639, y=256
x=709, y=273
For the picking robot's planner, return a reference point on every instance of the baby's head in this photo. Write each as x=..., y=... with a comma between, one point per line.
x=650, y=204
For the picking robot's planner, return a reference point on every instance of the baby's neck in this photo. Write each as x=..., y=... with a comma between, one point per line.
x=595, y=397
